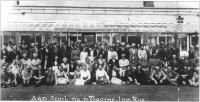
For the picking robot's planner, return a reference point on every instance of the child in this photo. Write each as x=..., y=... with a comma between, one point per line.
x=38, y=78
x=26, y=75
x=7, y=78
x=50, y=80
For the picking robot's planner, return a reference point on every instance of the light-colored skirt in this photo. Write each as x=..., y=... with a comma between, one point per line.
x=62, y=80
x=116, y=81
x=79, y=82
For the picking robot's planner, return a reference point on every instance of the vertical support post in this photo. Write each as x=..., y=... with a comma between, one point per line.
x=188, y=42
x=111, y=38
x=77, y=36
x=157, y=42
x=60, y=38
x=102, y=37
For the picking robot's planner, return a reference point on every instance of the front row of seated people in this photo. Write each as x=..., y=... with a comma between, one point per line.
x=117, y=72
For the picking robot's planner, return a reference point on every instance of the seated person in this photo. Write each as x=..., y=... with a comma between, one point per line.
x=35, y=62
x=50, y=76
x=65, y=65
x=185, y=75
x=102, y=77
x=7, y=78
x=26, y=75
x=55, y=65
x=123, y=63
x=115, y=78
x=133, y=61
x=141, y=77
x=60, y=76
x=154, y=62
x=172, y=76
x=77, y=77
x=129, y=76
x=38, y=77
x=112, y=62
x=15, y=70
x=194, y=81
x=158, y=76
x=85, y=75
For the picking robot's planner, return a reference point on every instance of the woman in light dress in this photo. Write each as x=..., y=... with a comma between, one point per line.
x=60, y=76
x=83, y=56
x=116, y=77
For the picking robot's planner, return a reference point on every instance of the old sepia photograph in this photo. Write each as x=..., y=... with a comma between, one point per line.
x=99, y=50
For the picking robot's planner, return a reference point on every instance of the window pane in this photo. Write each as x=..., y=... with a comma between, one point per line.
x=123, y=38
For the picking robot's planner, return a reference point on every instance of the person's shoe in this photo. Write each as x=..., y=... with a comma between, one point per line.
x=94, y=83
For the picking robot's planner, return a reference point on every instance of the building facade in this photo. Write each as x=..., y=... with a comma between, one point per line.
x=130, y=22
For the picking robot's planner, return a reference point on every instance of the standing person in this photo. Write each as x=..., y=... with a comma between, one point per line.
x=142, y=54
x=55, y=64
x=111, y=53
x=85, y=75
x=132, y=51
x=75, y=54
x=92, y=53
x=102, y=62
x=83, y=55
x=103, y=52
x=102, y=77
x=123, y=50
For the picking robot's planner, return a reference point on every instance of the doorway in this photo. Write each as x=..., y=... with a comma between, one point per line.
x=89, y=37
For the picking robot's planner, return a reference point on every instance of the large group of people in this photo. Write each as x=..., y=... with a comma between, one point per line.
x=98, y=63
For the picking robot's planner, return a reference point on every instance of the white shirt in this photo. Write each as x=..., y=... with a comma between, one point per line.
x=83, y=56
x=123, y=62
x=101, y=73
x=184, y=54
x=142, y=54
x=111, y=53
x=85, y=74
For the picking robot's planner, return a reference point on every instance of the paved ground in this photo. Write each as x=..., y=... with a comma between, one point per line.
x=102, y=92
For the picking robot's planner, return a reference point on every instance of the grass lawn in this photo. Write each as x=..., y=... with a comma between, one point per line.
x=102, y=92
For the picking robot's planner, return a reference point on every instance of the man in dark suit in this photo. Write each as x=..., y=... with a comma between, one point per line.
x=112, y=62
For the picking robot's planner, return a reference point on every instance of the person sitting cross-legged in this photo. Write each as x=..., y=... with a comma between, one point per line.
x=102, y=77
x=158, y=76
x=7, y=78
x=172, y=76
x=141, y=77
x=38, y=77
